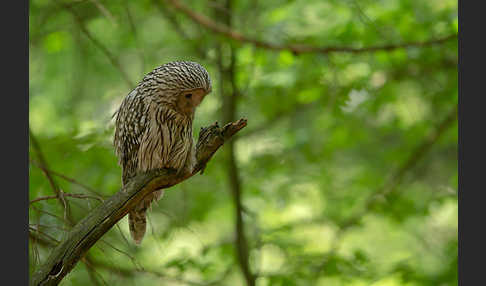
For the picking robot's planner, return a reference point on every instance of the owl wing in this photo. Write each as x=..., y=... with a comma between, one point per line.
x=130, y=125
x=139, y=146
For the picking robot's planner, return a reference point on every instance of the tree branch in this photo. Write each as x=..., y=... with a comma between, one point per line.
x=296, y=49
x=229, y=96
x=89, y=230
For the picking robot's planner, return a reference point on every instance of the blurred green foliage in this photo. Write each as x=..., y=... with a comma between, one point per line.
x=335, y=185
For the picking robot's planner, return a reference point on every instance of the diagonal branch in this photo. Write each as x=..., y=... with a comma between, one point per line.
x=52, y=242
x=89, y=230
x=296, y=49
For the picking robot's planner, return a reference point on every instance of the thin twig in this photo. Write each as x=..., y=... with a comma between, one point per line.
x=77, y=196
x=38, y=225
x=59, y=193
x=163, y=9
x=93, y=273
x=133, y=28
x=296, y=49
x=122, y=235
x=393, y=180
x=113, y=60
x=63, y=220
x=366, y=20
x=34, y=251
x=69, y=179
x=131, y=257
x=153, y=233
x=105, y=12
x=44, y=234
x=34, y=235
x=397, y=176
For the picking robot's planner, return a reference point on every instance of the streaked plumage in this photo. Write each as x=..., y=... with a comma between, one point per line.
x=153, y=127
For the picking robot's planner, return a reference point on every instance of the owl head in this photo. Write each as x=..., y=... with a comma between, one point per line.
x=180, y=84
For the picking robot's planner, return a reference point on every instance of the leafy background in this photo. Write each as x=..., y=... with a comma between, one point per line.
x=345, y=175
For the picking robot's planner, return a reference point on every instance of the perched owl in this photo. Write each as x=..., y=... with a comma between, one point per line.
x=153, y=127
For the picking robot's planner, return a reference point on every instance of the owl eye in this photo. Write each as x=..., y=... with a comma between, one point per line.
x=189, y=95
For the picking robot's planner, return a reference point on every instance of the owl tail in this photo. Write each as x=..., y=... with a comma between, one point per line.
x=137, y=220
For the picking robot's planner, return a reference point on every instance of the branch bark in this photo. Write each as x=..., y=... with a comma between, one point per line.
x=89, y=230
x=226, y=31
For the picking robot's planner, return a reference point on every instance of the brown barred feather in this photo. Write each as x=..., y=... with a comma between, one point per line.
x=153, y=128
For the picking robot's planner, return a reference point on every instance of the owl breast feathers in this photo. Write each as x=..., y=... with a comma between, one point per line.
x=153, y=127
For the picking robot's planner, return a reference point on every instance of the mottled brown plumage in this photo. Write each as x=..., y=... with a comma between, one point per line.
x=153, y=127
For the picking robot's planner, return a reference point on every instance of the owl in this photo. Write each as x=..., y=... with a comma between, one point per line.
x=153, y=128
